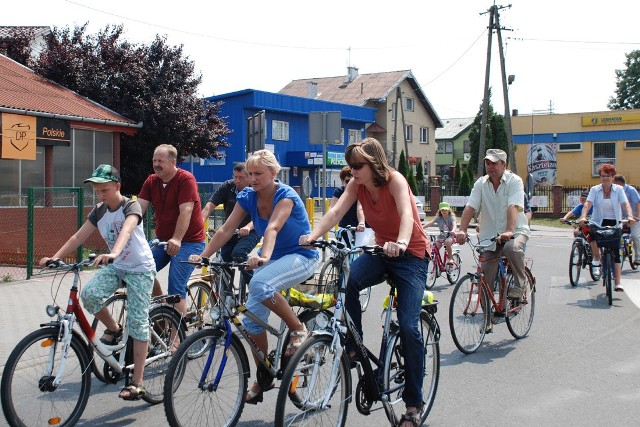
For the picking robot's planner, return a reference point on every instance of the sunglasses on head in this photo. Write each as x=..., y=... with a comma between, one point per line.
x=356, y=166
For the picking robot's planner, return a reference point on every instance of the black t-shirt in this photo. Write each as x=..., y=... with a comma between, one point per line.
x=351, y=217
x=225, y=195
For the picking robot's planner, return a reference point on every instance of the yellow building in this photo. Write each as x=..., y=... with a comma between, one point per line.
x=567, y=149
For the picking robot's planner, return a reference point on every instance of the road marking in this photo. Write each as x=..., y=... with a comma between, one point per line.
x=632, y=290
x=629, y=366
x=561, y=292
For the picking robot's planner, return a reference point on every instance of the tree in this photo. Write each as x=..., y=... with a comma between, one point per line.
x=154, y=84
x=627, y=84
x=419, y=172
x=457, y=177
x=411, y=179
x=17, y=44
x=496, y=135
x=465, y=183
x=403, y=165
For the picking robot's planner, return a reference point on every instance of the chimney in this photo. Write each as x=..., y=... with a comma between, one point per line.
x=352, y=73
x=312, y=90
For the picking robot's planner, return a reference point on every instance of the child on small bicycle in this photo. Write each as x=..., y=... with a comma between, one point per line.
x=119, y=221
x=446, y=222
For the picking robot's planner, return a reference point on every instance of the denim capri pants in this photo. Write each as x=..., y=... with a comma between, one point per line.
x=273, y=277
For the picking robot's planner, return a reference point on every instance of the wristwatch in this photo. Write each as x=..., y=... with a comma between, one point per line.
x=402, y=242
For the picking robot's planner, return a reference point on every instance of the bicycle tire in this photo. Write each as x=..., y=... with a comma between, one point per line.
x=520, y=320
x=631, y=256
x=329, y=277
x=607, y=272
x=575, y=262
x=187, y=403
x=467, y=318
x=22, y=378
x=453, y=273
x=116, y=304
x=594, y=277
x=310, y=319
x=394, y=373
x=306, y=381
x=166, y=331
x=432, y=273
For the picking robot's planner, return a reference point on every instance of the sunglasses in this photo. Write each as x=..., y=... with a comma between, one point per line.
x=356, y=166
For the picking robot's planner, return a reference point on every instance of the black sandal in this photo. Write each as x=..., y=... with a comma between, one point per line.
x=132, y=392
x=111, y=337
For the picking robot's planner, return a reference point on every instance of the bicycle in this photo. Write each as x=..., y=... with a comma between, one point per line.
x=316, y=385
x=609, y=240
x=47, y=378
x=626, y=250
x=440, y=264
x=207, y=383
x=581, y=254
x=330, y=267
x=476, y=305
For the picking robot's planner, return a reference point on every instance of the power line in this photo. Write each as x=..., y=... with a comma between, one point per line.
x=457, y=60
x=572, y=41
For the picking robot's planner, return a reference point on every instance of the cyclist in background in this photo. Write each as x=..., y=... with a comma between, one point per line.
x=119, y=221
x=239, y=245
x=446, y=222
x=354, y=216
x=576, y=212
x=634, y=201
x=608, y=202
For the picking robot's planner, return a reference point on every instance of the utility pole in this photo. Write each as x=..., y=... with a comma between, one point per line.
x=395, y=130
x=494, y=24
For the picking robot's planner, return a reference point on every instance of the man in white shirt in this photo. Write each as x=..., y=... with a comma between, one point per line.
x=499, y=197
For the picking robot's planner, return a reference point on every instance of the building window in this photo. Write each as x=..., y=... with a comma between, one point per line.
x=467, y=146
x=603, y=152
x=440, y=148
x=631, y=145
x=279, y=130
x=408, y=103
x=424, y=135
x=448, y=147
x=408, y=132
x=393, y=111
x=354, y=135
x=283, y=175
x=572, y=146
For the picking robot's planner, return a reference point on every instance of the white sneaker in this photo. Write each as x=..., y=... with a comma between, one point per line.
x=619, y=288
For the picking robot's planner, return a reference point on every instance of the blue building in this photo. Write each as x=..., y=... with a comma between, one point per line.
x=286, y=134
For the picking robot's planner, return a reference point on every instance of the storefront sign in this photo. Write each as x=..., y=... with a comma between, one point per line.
x=336, y=159
x=18, y=137
x=611, y=119
x=53, y=132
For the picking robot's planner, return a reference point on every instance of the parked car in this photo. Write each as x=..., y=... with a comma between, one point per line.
x=420, y=207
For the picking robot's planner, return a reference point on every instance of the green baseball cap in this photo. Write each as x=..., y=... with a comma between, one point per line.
x=104, y=173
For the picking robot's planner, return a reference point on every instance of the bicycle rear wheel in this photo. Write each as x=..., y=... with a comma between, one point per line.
x=309, y=394
x=166, y=334
x=394, y=371
x=576, y=260
x=191, y=400
x=453, y=271
x=520, y=317
x=329, y=277
x=365, y=297
x=467, y=318
x=117, y=305
x=29, y=397
x=432, y=273
x=607, y=273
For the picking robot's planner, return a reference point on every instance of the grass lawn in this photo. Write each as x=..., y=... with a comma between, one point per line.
x=549, y=222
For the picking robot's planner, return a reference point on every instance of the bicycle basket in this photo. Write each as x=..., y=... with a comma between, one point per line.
x=606, y=237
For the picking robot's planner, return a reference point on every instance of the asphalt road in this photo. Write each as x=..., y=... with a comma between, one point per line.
x=579, y=365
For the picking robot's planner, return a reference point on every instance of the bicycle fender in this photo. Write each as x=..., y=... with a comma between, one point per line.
x=75, y=335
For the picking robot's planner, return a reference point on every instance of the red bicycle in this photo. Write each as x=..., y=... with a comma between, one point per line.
x=440, y=264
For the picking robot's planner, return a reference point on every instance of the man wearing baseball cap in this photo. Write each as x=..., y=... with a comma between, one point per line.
x=499, y=198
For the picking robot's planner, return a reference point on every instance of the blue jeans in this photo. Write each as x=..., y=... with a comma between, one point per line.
x=409, y=273
x=179, y=272
x=239, y=248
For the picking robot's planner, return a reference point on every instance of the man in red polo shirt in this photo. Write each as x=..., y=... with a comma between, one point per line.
x=173, y=192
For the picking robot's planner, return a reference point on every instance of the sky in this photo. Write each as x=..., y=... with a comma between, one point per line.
x=563, y=53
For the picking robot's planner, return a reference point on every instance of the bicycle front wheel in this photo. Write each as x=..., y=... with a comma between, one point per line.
x=315, y=387
x=395, y=375
x=575, y=262
x=192, y=398
x=467, y=316
x=520, y=317
x=453, y=271
x=607, y=274
x=166, y=334
x=29, y=395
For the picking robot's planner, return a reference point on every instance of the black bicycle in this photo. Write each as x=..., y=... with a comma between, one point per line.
x=608, y=239
x=581, y=254
x=316, y=385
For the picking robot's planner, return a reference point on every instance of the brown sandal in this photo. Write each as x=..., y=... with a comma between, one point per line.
x=111, y=337
x=132, y=392
x=413, y=417
x=296, y=339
